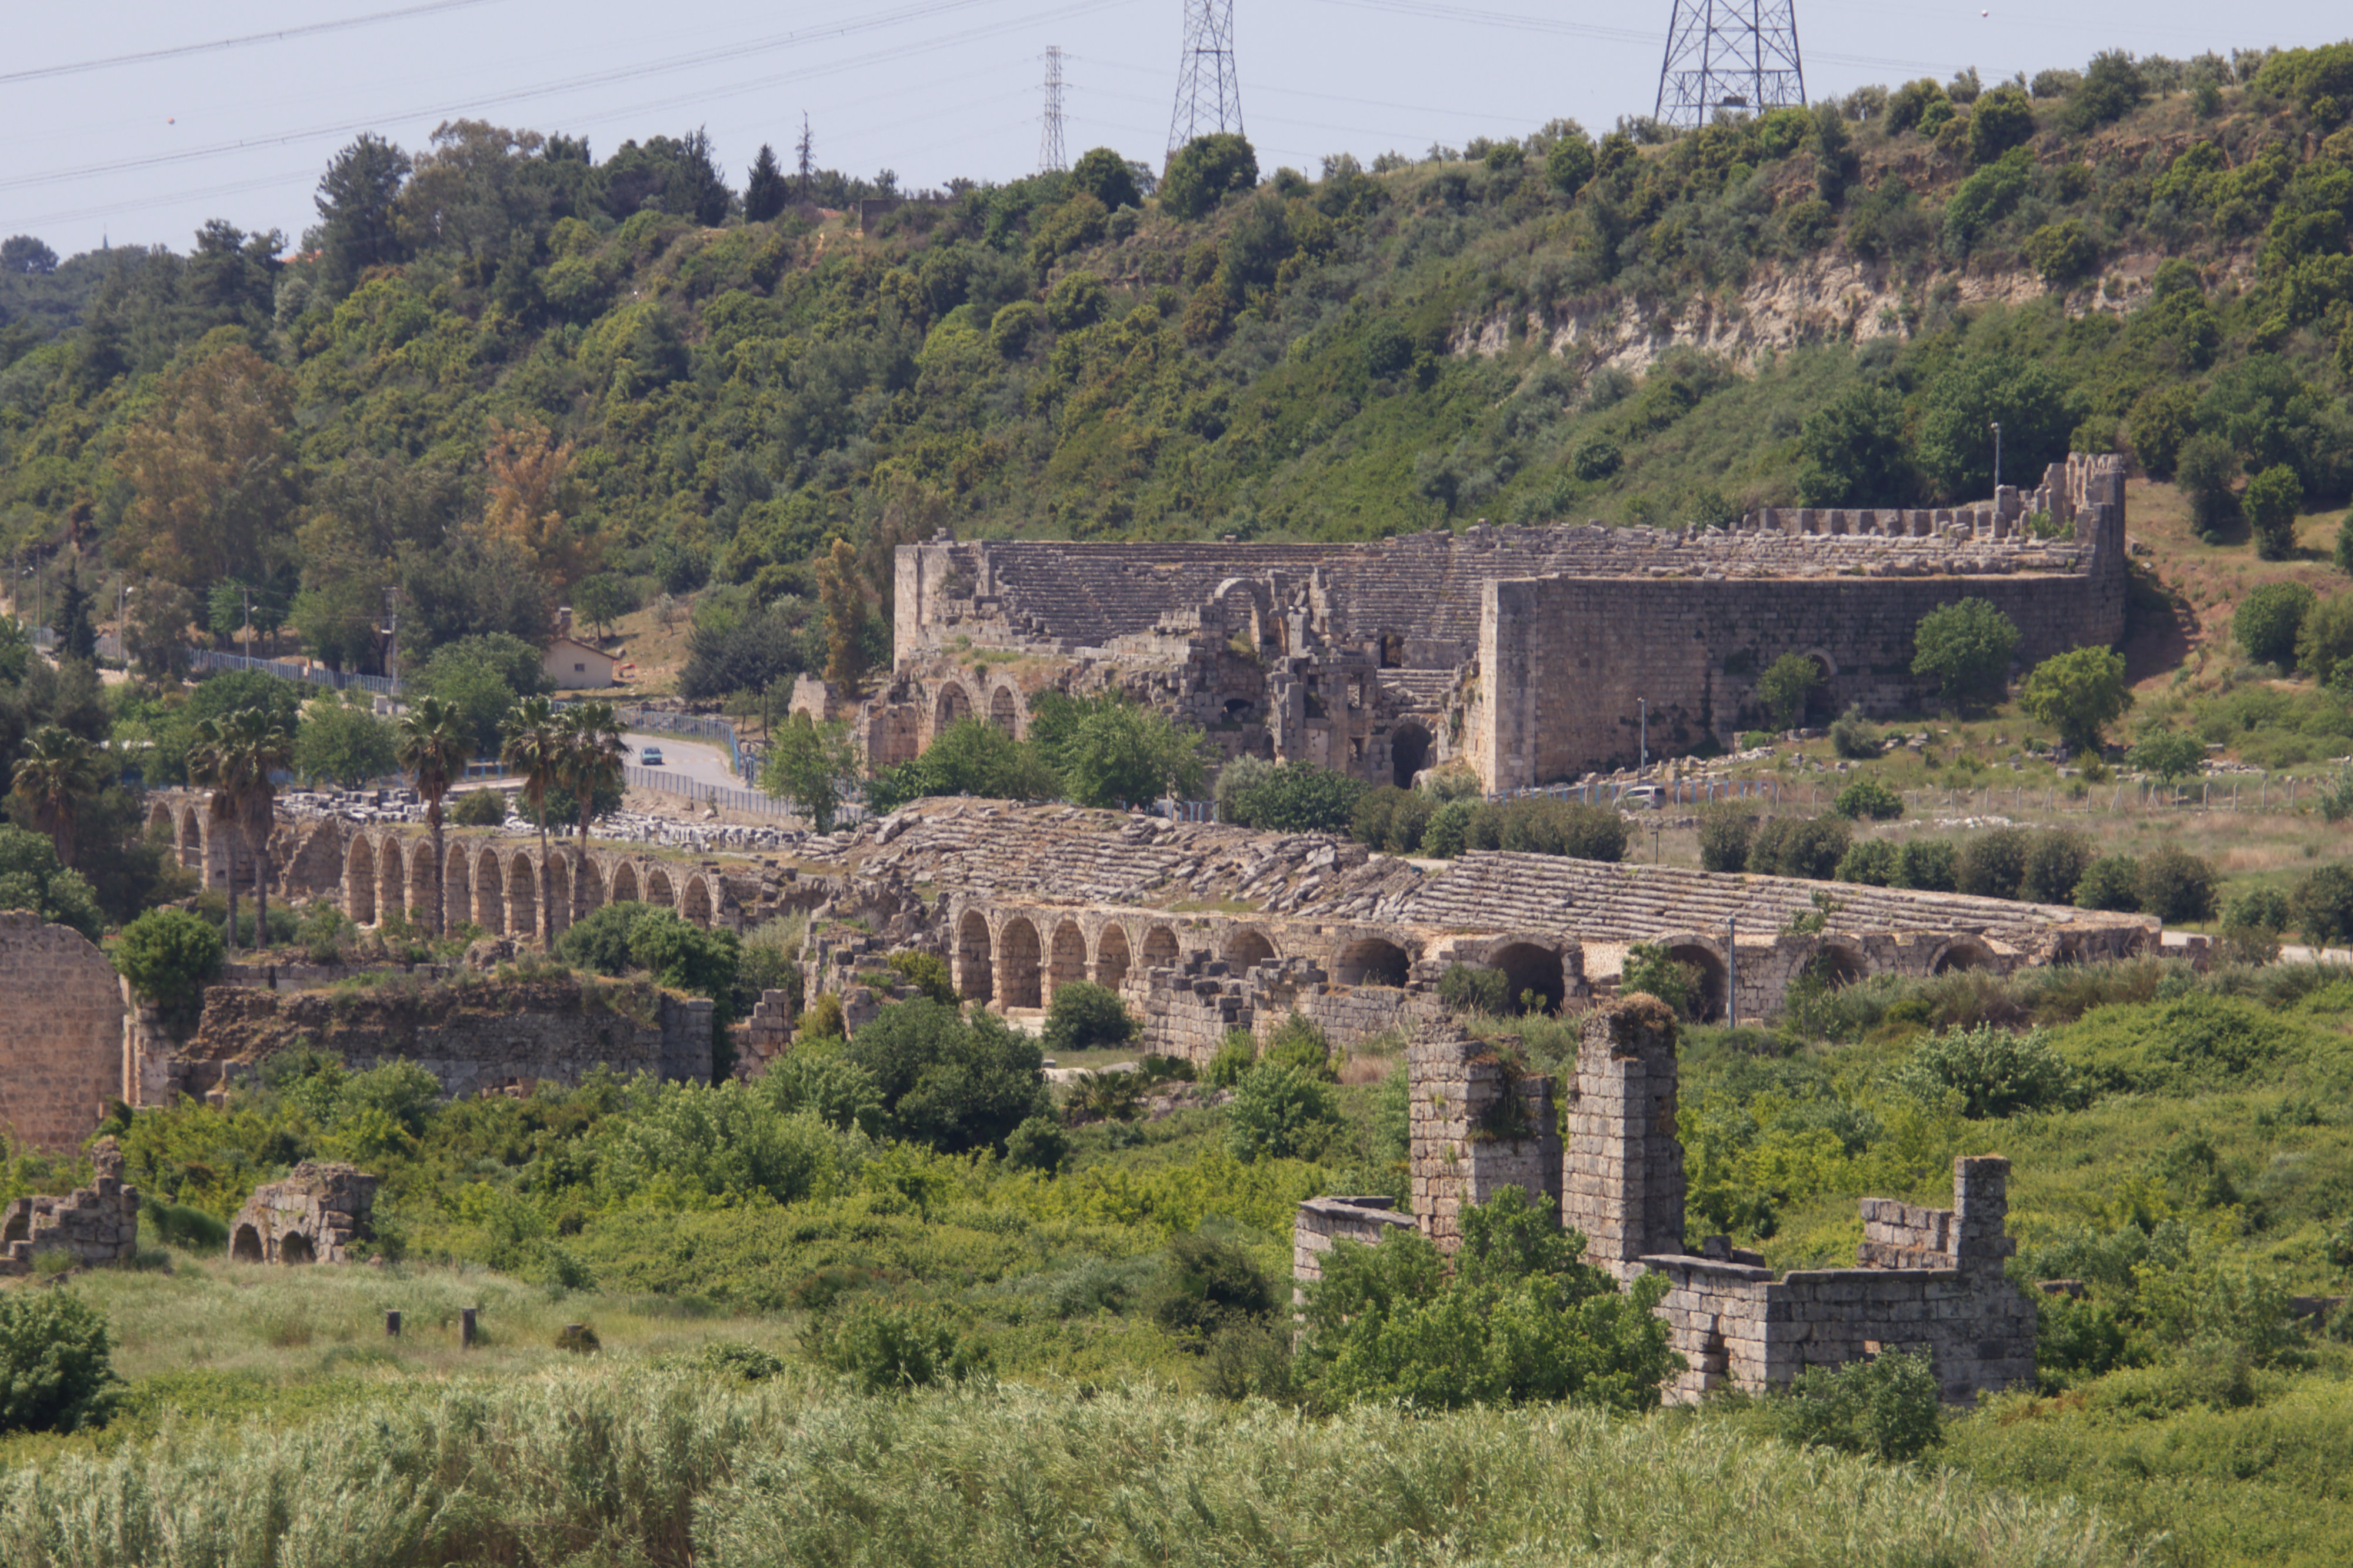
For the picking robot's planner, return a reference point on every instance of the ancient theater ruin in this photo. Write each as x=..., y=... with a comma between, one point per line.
x=1532, y=655
x=1927, y=1279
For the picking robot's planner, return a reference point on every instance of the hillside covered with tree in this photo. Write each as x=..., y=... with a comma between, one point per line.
x=501, y=375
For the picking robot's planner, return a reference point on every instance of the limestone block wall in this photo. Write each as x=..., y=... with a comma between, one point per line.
x=1478, y=1127
x=95, y=1225
x=312, y=1216
x=1321, y=1223
x=61, y=1027
x=1622, y=1182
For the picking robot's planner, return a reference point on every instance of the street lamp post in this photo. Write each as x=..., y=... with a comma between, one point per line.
x=1996, y=460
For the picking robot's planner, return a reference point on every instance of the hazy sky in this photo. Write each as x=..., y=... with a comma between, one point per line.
x=215, y=122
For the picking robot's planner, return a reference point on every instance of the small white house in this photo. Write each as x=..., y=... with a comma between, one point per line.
x=576, y=666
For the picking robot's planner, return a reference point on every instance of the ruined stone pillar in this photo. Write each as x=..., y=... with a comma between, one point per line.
x=1981, y=1214
x=1478, y=1126
x=1622, y=1181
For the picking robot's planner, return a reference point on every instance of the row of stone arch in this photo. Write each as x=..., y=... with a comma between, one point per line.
x=953, y=702
x=496, y=885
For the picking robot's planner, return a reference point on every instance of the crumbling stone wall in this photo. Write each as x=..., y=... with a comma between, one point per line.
x=468, y=1036
x=1323, y=1222
x=312, y=1216
x=1622, y=1184
x=1478, y=1125
x=61, y=1027
x=94, y=1225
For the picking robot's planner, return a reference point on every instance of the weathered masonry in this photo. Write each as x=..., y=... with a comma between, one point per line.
x=60, y=1033
x=1526, y=653
x=1927, y=1279
x=314, y=1215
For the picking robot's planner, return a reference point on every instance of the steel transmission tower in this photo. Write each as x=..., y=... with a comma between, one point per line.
x=1209, y=88
x=1049, y=133
x=1729, y=54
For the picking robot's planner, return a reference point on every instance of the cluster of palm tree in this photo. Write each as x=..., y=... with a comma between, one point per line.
x=233, y=757
x=577, y=749
x=59, y=771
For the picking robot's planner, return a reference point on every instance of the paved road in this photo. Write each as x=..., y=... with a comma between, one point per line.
x=697, y=759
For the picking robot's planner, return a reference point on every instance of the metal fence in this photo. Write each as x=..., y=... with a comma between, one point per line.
x=664, y=782
x=285, y=670
x=694, y=726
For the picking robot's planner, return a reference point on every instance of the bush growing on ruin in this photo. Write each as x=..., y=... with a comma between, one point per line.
x=2055, y=860
x=1536, y=825
x=1648, y=969
x=1888, y=1408
x=2176, y=886
x=1465, y=989
x=1993, y=865
x=1804, y=847
x=1298, y=1043
x=1853, y=737
x=1520, y=1319
x=1085, y=1016
x=2111, y=882
x=1279, y=1113
x=1236, y=1054
x=1786, y=686
x=57, y=1371
x=954, y=1083
x=1966, y=648
x=170, y=957
x=1724, y=838
x=1996, y=1071
x=1450, y=829
x=1868, y=797
x=2267, y=620
x=1297, y=797
x=32, y=878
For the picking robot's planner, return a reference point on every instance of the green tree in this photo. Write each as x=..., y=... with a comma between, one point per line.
x=1569, y=161
x=2113, y=87
x=2062, y=253
x=765, y=190
x=170, y=957
x=1786, y=686
x=53, y=780
x=341, y=739
x=971, y=756
x=358, y=206
x=2080, y=692
x=1204, y=172
x=1111, y=751
x=260, y=747
x=2269, y=619
x=77, y=631
x=57, y=1371
x=844, y=598
x=431, y=742
x=1855, y=451
x=1966, y=648
x=532, y=748
x=955, y=1084
x=601, y=600
x=1962, y=405
x=33, y=878
x=1999, y=121
x=590, y=763
x=1280, y=1112
x=2273, y=498
x=2207, y=469
x=2324, y=641
x=1085, y=1016
x=1297, y=797
x=1104, y=174
x=2323, y=905
x=2169, y=754
x=809, y=764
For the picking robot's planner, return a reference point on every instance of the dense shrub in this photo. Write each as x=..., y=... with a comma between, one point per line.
x=1279, y=1113
x=2195, y=1040
x=1993, y=865
x=952, y=1083
x=1392, y=820
x=1208, y=1285
x=2323, y=905
x=1085, y=1016
x=2258, y=909
x=2076, y=1339
x=2176, y=886
x=1931, y=865
x=1295, y=797
x=1888, y=1408
x=888, y=1348
x=1648, y=968
x=1298, y=1043
x=57, y=1374
x=1964, y=647
x=1870, y=862
x=2055, y=861
x=1236, y=1054
x=1724, y=838
x=1536, y=825
x=478, y=808
x=1853, y=738
x=1801, y=847
x=1465, y=989
x=170, y=957
x=820, y=1080
x=600, y=940
x=1996, y=1072
x=1038, y=1144
x=2110, y=882
x=1868, y=797
x=1450, y=829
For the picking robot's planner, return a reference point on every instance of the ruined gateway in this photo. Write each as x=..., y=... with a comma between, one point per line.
x=1927, y=1279
x=1530, y=654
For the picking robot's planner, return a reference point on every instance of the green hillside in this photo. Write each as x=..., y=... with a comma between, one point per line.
x=499, y=367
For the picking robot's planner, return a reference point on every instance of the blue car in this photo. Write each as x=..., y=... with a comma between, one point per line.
x=650, y=757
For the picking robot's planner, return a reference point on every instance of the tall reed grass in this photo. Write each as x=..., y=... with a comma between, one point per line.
x=663, y=1466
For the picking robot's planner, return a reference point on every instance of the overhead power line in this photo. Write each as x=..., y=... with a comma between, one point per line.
x=283, y=35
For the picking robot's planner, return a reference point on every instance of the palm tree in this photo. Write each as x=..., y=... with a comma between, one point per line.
x=262, y=747
x=433, y=743
x=211, y=766
x=595, y=755
x=533, y=751
x=58, y=771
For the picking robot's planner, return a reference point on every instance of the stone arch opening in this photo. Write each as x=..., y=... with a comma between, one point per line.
x=1836, y=966
x=1529, y=969
x=1707, y=999
x=1408, y=754
x=160, y=816
x=18, y=1229
x=359, y=882
x=522, y=896
x=456, y=886
x=295, y=1247
x=1067, y=961
x=420, y=880
x=1017, y=965
x=1241, y=711
x=1111, y=957
x=972, y=970
x=392, y=879
x=954, y=706
x=623, y=884
x=559, y=890
x=1246, y=949
x=1820, y=705
x=1160, y=949
x=592, y=886
x=1962, y=953
x=246, y=1246
x=188, y=838
x=695, y=905
x=1004, y=710
x=1372, y=962
x=490, y=892
x=658, y=888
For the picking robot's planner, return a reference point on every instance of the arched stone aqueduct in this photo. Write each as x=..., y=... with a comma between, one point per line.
x=493, y=881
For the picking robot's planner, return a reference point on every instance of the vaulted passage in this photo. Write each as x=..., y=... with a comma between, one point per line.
x=1160, y=949
x=247, y=1247
x=1017, y=962
x=1246, y=949
x=1707, y=1004
x=1372, y=962
x=490, y=894
x=1111, y=957
x=359, y=883
x=972, y=979
x=1530, y=969
x=1002, y=713
x=1070, y=958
